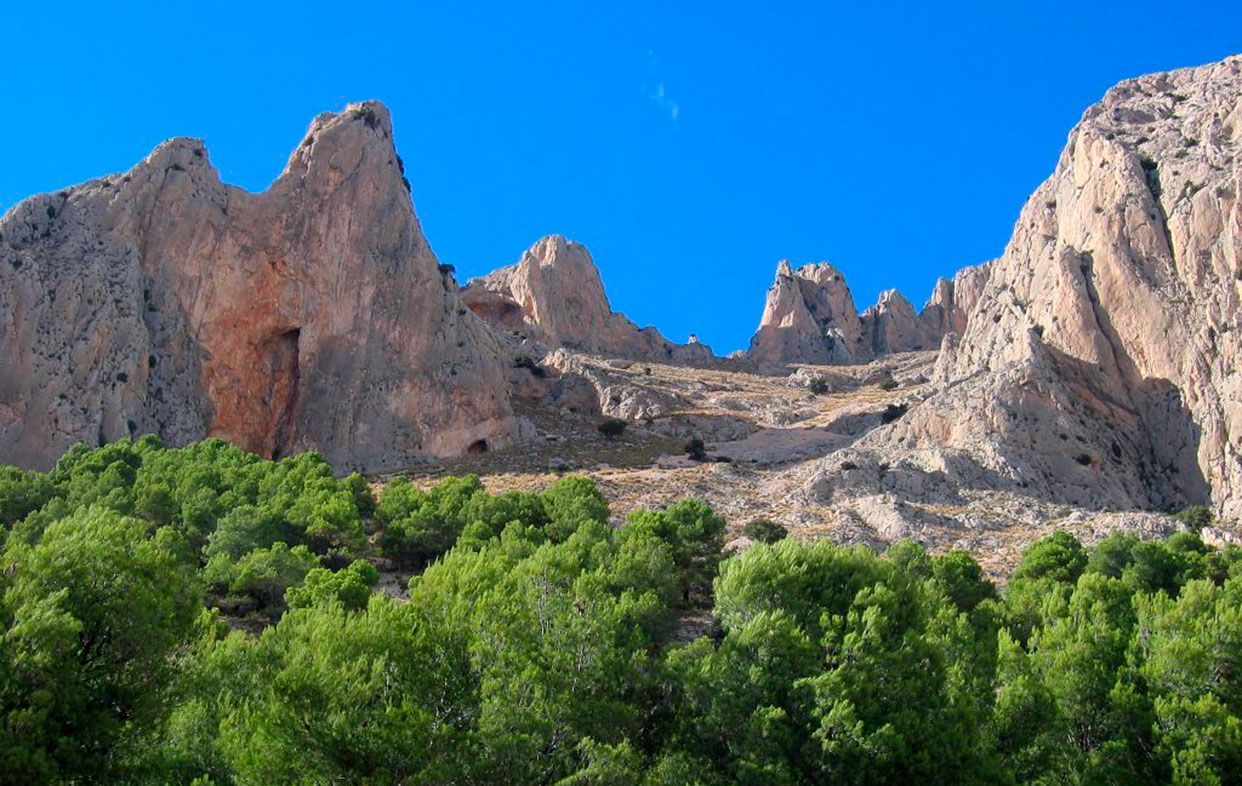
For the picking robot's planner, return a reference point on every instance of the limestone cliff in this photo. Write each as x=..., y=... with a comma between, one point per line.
x=952, y=300
x=312, y=315
x=554, y=295
x=809, y=316
x=1100, y=361
x=892, y=325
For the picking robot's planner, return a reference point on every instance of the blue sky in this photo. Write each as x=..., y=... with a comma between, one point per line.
x=689, y=145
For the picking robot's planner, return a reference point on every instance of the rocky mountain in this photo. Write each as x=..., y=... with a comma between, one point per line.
x=554, y=296
x=1090, y=374
x=1099, y=364
x=892, y=325
x=1087, y=380
x=953, y=299
x=313, y=315
x=809, y=316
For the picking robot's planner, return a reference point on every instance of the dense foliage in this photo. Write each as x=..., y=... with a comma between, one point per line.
x=544, y=643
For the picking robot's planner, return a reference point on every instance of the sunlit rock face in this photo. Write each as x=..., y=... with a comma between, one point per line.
x=808, y=317
x=312, y=315
x=952, y=300
x=555, y=296
x=1100, y=358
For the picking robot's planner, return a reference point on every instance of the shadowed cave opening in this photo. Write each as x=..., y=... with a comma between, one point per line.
x=477, y=447
x=284, y=390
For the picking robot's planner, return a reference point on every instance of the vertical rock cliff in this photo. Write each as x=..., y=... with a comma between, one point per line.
x=310, y=316
x=809, y=316
x=554, y=295
x=1100, y=362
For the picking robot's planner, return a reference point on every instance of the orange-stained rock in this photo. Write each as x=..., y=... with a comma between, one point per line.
x=312, y=315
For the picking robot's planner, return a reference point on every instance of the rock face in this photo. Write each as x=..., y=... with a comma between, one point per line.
x=952, y=300
x=310, y=316
x=554, y=295
x=892, y=325
x=1100, y=360
x=809, y=316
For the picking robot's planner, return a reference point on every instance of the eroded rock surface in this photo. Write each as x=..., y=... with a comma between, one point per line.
x=1100, y=362
x=808, y=317
x=554, y=295
x=892, y=325
x=952, y=300
x=310, y=316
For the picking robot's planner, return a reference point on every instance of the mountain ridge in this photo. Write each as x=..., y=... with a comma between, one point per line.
x=1095, y=360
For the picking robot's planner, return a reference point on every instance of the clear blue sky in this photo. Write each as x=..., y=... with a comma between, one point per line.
x=688, y=145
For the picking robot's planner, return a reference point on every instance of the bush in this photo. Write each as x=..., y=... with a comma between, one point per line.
x=818, y=386
x=528, y=363
x=1196, y=517
x=612, y=427
x=695, y=535
x=888, y=384
x=892, y=412
x=420, y=526
x=696, y=450
x=262, y=574
x=351, y=587
x=570, y=503
x=763, y=530
x=551, y=647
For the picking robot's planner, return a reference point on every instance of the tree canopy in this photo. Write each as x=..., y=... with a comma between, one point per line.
x=202, y=616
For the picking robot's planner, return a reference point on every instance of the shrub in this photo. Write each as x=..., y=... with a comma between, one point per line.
x=420, y=526
x=351, y=587
x=612, y=427
x=246, y=528
x=528, y=363
x=263, y=574
x=888, y=384
x=764, y=530
x=1196, y=517
x=818, y=386
x=962, y=579
x=892, y=412
x=695, y=535
x=21, y=493
x=570, y=503
x=1059, y=557
x=696, y=450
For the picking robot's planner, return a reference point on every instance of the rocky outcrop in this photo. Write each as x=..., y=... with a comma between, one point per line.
x=1101, y=359
x=952, y=300
x=310, y=316
x=554, y=295
x=808, y=317
x=892, y=325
